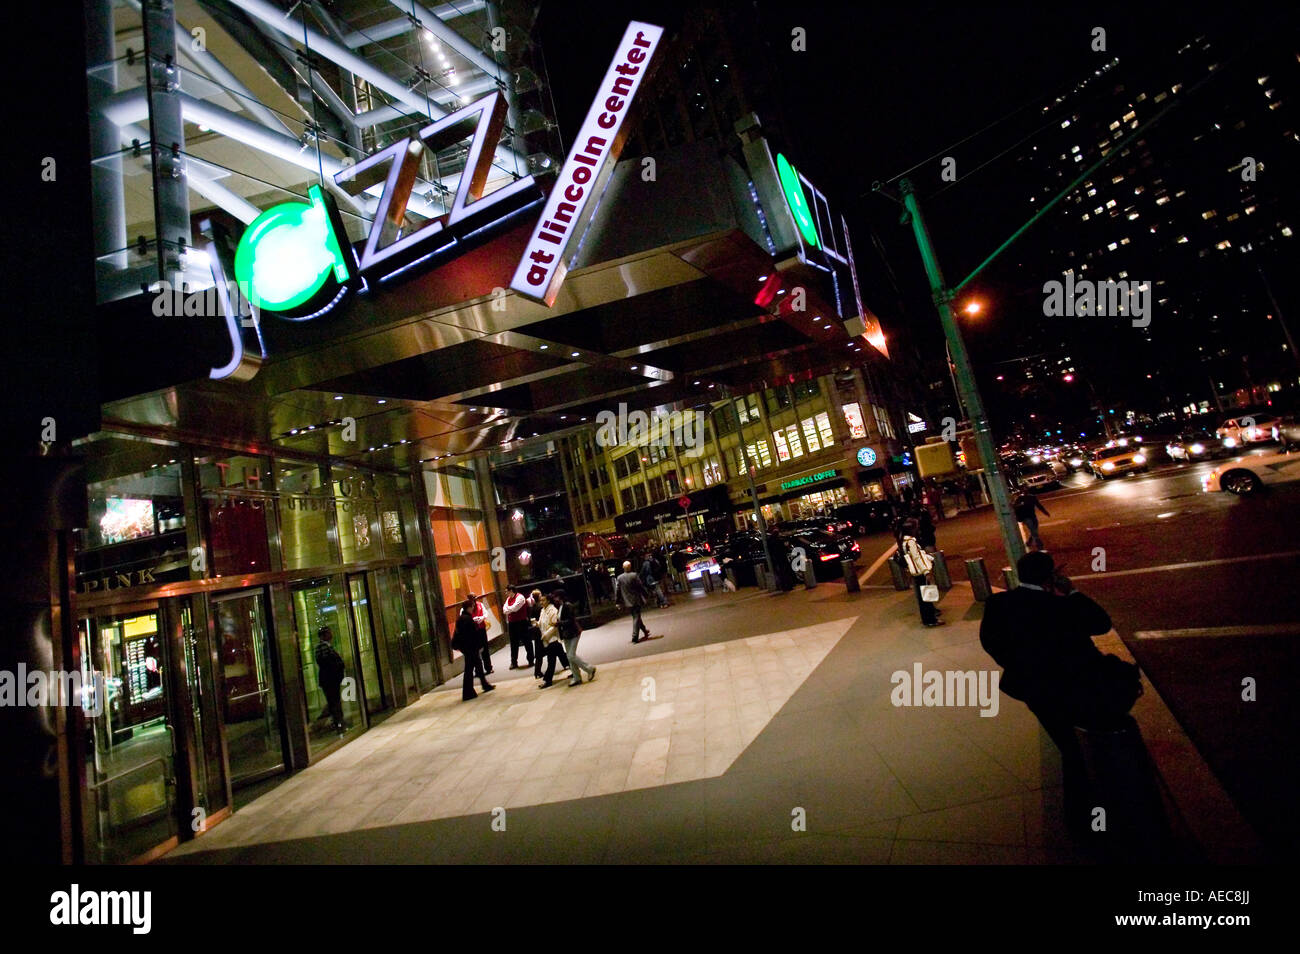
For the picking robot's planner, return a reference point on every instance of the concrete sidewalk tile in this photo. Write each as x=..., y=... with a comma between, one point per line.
x=998, y=821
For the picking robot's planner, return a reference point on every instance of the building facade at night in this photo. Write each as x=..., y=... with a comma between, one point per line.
x=310, y=421
x=1200, y=208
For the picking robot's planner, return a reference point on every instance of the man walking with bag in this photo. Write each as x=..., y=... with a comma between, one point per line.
x=631, y=592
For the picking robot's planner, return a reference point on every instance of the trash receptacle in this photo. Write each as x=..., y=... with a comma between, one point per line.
x=850, y=576
x=978, y=574
x=901, y=580
x=941, y=577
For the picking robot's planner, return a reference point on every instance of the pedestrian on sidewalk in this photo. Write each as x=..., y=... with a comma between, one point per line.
x=479, y=614
x=918, y=564
x=649, y=581
x=548, y=627
x=467, y=639
x=631, y=593
x=516, y=610
x=1041, y=634
x=570, y=631
x=535, y=602
x=1026, y=505
x=970, y=488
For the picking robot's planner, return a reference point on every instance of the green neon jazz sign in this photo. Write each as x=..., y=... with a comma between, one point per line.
x=804, y=481
x=795, y=198
x=289, y=253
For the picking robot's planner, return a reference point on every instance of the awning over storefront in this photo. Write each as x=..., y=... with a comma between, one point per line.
x=708, y=503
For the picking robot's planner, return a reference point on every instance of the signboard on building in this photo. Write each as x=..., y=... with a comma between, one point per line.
x=810, y=479
x=586, y=172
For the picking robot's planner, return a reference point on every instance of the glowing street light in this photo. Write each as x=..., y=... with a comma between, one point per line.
x=973, y=307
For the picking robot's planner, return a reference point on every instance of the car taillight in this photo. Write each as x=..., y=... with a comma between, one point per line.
x=856, y=548
x=828, y=556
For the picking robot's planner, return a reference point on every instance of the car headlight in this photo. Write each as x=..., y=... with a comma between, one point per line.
x=1229, y=442
x=1109, y=465
x=1076, y=461
x=1139, y=458
x=1198, y=448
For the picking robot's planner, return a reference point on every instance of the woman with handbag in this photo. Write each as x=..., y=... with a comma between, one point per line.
x=919, y=564
x=548, y=628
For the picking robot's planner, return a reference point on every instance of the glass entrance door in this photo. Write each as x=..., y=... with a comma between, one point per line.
x=130, y=741
x=402, y=629
x=250, y=708
x=359, y=600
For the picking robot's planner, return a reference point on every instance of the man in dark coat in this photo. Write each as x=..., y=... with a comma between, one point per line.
x=329, y=675
x=468, y=640
x=1041, y=634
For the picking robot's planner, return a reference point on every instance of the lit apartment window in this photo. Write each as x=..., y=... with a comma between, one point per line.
x=1113, y=245
x=1114, y=125
x=1177, y=87
x=1125, y=240
x=1160, y=97
x=796, y=445
x=1261, y=80
x=1139, y=190
x=1098, y=210
x=1074, y=149
x=1286, y=231
x=1180, y=193
x=782, y=450
x=1065, y=124
x=1234, y=217
x=1208, y=215
x=824, y=428
x=1132, y=216
x=1181, y=240
x=1129, y=116
x=1078, y=158
x=1249, y=210
x=1110, y=204
x=1162, y=200
x=1224, y=244
x=810, y=435
x=1092, y=192
x=1085, y=216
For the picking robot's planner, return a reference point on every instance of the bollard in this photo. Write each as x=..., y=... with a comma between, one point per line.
x=731, y=575
x=809, y=575
x=941, y=577
x=1009, y=579
x=850, y=576
x=901, y=580
x=760, y=576
x=707, y=577
x=978, y=574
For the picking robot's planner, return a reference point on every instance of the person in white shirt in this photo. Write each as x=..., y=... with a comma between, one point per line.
x=918, y=564
x=516, y=609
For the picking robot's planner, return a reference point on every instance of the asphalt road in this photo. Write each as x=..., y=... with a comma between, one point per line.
x=1177, y=559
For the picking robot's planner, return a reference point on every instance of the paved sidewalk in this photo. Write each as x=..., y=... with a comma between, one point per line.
x=766, y=710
